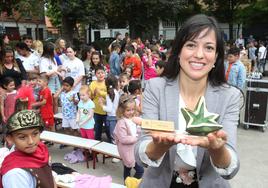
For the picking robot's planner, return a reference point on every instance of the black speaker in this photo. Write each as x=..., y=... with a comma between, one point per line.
x=256, y=108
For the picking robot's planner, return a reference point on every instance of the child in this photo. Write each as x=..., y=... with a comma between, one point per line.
x=134, y=89
x=132, y=60
x=123, y=81
x=129, y=71
x=32, y=82
x=112, y=100
x=126, y=135
x=235, y=71
x=98, y=90
x=8, y=100
x=69, y=100
x=27, y=166
x=85, y=114
x=45, y=103
x=114, y=60
x=96, y=60
x=160, y=67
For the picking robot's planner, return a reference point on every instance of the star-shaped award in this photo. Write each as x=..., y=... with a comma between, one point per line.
x=200, y=122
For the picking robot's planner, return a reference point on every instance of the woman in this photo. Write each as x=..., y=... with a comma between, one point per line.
x=9, y=67
x=195, y=68
x=86, y=58
x=74, y=67
x=49, y=67
x=30, y=61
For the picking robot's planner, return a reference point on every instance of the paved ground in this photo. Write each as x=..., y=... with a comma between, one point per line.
x=252, y=150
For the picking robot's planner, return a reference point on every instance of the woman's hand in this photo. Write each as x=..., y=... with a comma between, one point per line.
x=212, y=141
x=166, y=138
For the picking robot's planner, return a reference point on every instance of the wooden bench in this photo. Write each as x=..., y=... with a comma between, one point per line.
x=104, y=148
x=74, y=141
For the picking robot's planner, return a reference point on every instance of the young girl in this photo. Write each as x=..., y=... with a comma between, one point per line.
x=112, y=100
x=96, y=60
x=8, y=100
x=123, y=81
x=126, y=135
x=85, y=114
x=134, y=89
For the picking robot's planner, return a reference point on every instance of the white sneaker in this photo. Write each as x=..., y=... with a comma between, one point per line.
x=115, y=160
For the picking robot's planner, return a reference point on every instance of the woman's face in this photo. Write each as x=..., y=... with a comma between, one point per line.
x=62, y=44
x=96, y=59
x=70, y=53
x=198, y=56
x=9, y=57
x=6, y=39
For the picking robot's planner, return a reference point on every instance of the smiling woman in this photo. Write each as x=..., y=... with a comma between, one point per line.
x=195, y=69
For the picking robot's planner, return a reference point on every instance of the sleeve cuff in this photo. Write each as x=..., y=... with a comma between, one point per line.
x=230, y=169
x=145, y=159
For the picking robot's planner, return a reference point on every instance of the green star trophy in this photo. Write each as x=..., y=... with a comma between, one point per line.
x=199, y=121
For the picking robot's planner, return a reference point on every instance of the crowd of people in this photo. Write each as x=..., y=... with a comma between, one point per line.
x=139, y=79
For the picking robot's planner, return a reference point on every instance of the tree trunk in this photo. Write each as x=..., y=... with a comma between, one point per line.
x=68, y=28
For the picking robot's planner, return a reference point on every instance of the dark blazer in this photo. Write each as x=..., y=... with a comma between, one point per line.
x=161, y=101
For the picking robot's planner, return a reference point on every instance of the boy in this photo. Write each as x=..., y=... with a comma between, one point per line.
x=27, y=166
x=98, y=90
x=69, y=100
x=159, y=67
x=235, y=71
x=45, y=103
x=132, y=60
x=114, y=60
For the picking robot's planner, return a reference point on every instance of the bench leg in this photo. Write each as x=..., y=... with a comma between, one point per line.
x=86, y=156
x=94, y=159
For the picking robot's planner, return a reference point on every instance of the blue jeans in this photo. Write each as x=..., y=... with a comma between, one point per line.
x=100, y=120
x=111, y=123
x=138, y=174
x=261, y=65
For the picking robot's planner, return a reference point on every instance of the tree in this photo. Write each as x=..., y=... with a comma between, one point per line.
x=227, y=11
x=69, y=14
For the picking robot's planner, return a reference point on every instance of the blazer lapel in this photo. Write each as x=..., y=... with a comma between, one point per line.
x=212, y=100
x=172, y=101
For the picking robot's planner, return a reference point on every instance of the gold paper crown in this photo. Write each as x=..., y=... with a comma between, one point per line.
x=24, y=119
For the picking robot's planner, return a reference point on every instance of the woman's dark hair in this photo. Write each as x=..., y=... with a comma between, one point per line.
x=69, y=80
x=130, y=48
x=84, y=52
x=160, y=64
x=23, y=46
x=132, y=87
x=6, y=81
x=189, y=31
x=111, y=83
x=49, y=51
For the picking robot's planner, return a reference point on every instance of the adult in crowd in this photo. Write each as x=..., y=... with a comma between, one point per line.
x=29, y=60
x=86, y=55
x=195, y=68
x=49, y=67
x=262, y=53
x=11, y=67
x=74, y=68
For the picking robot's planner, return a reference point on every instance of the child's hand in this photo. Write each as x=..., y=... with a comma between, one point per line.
x=4, y=119
x=101, y=101
x=96, y=92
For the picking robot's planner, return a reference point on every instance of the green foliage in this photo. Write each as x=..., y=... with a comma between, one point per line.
x=257, y=11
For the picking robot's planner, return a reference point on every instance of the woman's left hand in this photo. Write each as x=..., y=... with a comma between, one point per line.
x=213, y=141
